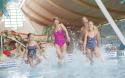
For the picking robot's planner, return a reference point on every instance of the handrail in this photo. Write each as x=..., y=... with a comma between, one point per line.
x=1, y=41
x=16, y=41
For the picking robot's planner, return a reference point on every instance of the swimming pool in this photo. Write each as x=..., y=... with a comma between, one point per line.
x=75, y=66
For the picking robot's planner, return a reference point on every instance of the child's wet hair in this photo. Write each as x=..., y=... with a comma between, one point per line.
x=55, y=18
x=28, y=35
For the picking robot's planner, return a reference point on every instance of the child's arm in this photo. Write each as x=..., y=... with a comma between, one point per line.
x=25, y=52
x=97, y=37
x=81, y=36
x=85, y=41
x=38, y=46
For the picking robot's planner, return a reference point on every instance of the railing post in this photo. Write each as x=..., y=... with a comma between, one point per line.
x=1, y=40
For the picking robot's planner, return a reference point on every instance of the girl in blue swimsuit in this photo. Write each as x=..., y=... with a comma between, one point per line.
x=31, y=51
x=90, y=41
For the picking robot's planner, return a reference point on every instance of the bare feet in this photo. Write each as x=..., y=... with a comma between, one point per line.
x=59, y=61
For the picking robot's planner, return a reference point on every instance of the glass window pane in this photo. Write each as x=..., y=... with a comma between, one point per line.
x=14, y=25
x=7, y=22
x=13, y=22
x=19, y=20
x=20, y=25
x=13, y=11
x=16, y=18
x=18, y=11
x=8, y=25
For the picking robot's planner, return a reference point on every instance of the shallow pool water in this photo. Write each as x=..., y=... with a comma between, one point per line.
x=74, y=65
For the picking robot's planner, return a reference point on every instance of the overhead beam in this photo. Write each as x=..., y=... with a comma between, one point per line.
x=110, y=20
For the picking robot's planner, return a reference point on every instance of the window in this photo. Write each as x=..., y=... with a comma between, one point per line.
x=15, y=19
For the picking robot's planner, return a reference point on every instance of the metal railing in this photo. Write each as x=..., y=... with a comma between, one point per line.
x=1, y=40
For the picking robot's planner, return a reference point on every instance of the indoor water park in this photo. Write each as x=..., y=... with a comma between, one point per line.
x=62, y=38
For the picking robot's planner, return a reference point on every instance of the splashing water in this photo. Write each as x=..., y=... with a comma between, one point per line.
x=75, y=65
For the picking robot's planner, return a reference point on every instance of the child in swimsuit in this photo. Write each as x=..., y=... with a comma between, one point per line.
x=31, y=51
x=90, y=42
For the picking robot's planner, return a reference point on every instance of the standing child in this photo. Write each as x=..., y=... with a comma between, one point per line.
x=32, y=47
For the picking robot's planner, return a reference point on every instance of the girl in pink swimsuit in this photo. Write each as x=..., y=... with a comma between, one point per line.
x=60, y=36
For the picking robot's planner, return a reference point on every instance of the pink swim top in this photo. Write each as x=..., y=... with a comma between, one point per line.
x=59, y=37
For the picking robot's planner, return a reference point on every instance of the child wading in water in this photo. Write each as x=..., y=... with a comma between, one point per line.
x=32, y=47
x=91, y=42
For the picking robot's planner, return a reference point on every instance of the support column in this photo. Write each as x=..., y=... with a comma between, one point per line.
x=111, y=21
x=1, y=40
x=20, y=6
